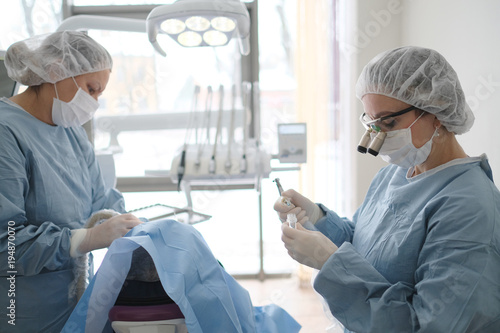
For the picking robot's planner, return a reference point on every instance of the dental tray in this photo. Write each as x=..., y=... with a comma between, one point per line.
x=161, y=211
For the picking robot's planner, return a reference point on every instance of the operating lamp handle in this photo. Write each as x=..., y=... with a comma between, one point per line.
x=152, y=31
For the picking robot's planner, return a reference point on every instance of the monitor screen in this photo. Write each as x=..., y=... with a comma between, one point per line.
x=8, y=87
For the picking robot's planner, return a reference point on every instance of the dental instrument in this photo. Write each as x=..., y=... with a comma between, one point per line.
x=284, y=200
x=246, y=92
x=228, y=165
x=208, y=110
x=278, y=184
x=182, y=164
x=211, y=168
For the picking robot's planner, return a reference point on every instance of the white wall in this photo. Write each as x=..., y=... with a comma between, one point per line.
x=376, y=28
x=464, y=31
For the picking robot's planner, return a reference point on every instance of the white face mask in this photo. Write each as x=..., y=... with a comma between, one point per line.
x=76, y=112
x=398, y=148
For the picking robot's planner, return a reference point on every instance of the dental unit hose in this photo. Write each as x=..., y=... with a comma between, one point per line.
x=212, y=164
x=228, y=165
x=208, y=110
x=247, y=91
x=182, y=164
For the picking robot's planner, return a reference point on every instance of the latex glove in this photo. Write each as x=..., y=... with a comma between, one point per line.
x=104, y=234
x=313, y=212
x=310, y=248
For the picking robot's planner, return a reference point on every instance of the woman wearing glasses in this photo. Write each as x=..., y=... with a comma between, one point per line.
x=422, y=253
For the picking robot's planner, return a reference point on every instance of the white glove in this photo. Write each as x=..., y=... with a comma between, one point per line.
x=310, y=248
x=297, y=200
x=104, y=234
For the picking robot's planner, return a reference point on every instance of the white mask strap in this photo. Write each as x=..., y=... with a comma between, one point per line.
x=55, y=87
x=416, y=120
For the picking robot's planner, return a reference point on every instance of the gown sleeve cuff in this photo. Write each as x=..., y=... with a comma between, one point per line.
x=77, y=237
x=337, y=229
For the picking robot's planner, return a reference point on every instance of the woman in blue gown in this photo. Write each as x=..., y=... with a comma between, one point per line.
x=50, y=183
x=422, y=252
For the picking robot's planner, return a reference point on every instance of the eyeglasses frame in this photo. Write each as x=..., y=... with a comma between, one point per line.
x=369, y=124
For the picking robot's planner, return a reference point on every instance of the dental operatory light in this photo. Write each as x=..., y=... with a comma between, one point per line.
x=193, y=23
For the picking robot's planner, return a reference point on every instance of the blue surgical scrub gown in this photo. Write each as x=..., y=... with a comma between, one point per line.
x=50, y=183
x=421, y=254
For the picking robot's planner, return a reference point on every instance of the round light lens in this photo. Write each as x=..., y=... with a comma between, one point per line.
x=173, y=26
x=215, y=38
x=189, y=38
x=224, y=24
x=198, y=23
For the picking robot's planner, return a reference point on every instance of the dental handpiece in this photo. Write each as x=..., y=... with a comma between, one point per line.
x=278, y=184
x=284, y=200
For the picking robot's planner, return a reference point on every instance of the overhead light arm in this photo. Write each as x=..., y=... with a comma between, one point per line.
x=85, y=22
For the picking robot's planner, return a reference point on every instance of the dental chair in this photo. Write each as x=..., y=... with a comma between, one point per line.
x=142, y=305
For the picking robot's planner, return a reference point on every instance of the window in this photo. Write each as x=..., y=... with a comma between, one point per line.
x=123, y=2
x=144, y=114
x=145, y=111
x=146, y=107
x=38, y=17
x=297, y=82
